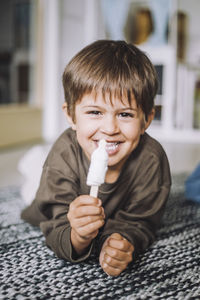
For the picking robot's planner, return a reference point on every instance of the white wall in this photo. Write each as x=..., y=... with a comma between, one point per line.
x=75, y=24
x=79, y=26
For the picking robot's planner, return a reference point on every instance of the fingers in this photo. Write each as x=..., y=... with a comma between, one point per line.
x=112, y=266
x=88, y=230
x=113, y=271
x=85, y=200
x=116, y=254
x=85, y=210
x=86, y=216
x=84, y=206
x=80, y=222
x=113, y=262
x=120, y=244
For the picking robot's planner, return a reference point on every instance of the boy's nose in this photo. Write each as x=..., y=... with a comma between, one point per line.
x=109, y=126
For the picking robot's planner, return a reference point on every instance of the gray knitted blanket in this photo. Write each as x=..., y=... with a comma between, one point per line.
x=169, y=269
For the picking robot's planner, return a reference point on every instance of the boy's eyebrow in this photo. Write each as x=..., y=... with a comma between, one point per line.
x=122, y=108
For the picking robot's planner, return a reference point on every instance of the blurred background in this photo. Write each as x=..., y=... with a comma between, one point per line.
x=39, y=37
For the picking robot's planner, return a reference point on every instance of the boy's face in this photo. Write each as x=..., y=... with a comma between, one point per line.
x=121, y=125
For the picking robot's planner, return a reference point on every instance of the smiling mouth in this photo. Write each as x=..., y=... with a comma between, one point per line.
x=110, y=146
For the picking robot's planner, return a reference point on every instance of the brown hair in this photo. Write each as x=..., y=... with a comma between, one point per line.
x=113, y=67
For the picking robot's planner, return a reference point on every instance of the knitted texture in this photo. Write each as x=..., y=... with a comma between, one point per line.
x=169, y=269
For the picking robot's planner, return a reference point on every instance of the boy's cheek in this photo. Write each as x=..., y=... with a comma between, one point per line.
x=85, y=131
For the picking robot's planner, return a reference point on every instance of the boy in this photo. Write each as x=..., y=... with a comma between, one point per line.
x=109, y=92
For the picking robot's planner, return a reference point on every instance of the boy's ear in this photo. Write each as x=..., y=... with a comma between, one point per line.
x=150, y=119
x=69, y=118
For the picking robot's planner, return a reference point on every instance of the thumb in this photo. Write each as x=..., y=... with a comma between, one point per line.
x=116, y=236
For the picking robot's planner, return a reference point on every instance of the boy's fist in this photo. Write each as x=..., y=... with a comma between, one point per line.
x=86, y=216
x=116, y=254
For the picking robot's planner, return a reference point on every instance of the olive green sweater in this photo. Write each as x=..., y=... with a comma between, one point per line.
x=133, y=205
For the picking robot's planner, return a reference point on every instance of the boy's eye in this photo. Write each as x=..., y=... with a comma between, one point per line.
x=126, y=115
x=94, y=112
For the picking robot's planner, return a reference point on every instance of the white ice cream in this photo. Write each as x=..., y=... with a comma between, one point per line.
x=98, y=165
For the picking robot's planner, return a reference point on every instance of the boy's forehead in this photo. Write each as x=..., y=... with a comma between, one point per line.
x=112, y=99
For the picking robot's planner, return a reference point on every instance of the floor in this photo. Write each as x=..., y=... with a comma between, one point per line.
x=182, y=158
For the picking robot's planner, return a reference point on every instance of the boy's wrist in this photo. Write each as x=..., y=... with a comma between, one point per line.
x=77, y=239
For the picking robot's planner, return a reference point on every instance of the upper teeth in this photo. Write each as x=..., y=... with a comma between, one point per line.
x=111, y=146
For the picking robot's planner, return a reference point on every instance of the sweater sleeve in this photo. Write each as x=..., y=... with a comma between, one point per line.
x=49, y=211
x=139, y=215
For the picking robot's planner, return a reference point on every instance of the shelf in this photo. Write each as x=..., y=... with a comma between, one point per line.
x=19, y=124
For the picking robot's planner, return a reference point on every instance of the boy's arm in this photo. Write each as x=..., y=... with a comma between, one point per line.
x=49, y=211
x=62, y=181
x=139, y=218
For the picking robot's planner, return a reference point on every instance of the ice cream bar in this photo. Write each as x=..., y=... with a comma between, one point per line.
x=98, y=168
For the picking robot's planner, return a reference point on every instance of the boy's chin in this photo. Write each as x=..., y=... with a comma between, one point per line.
x=115, y=165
